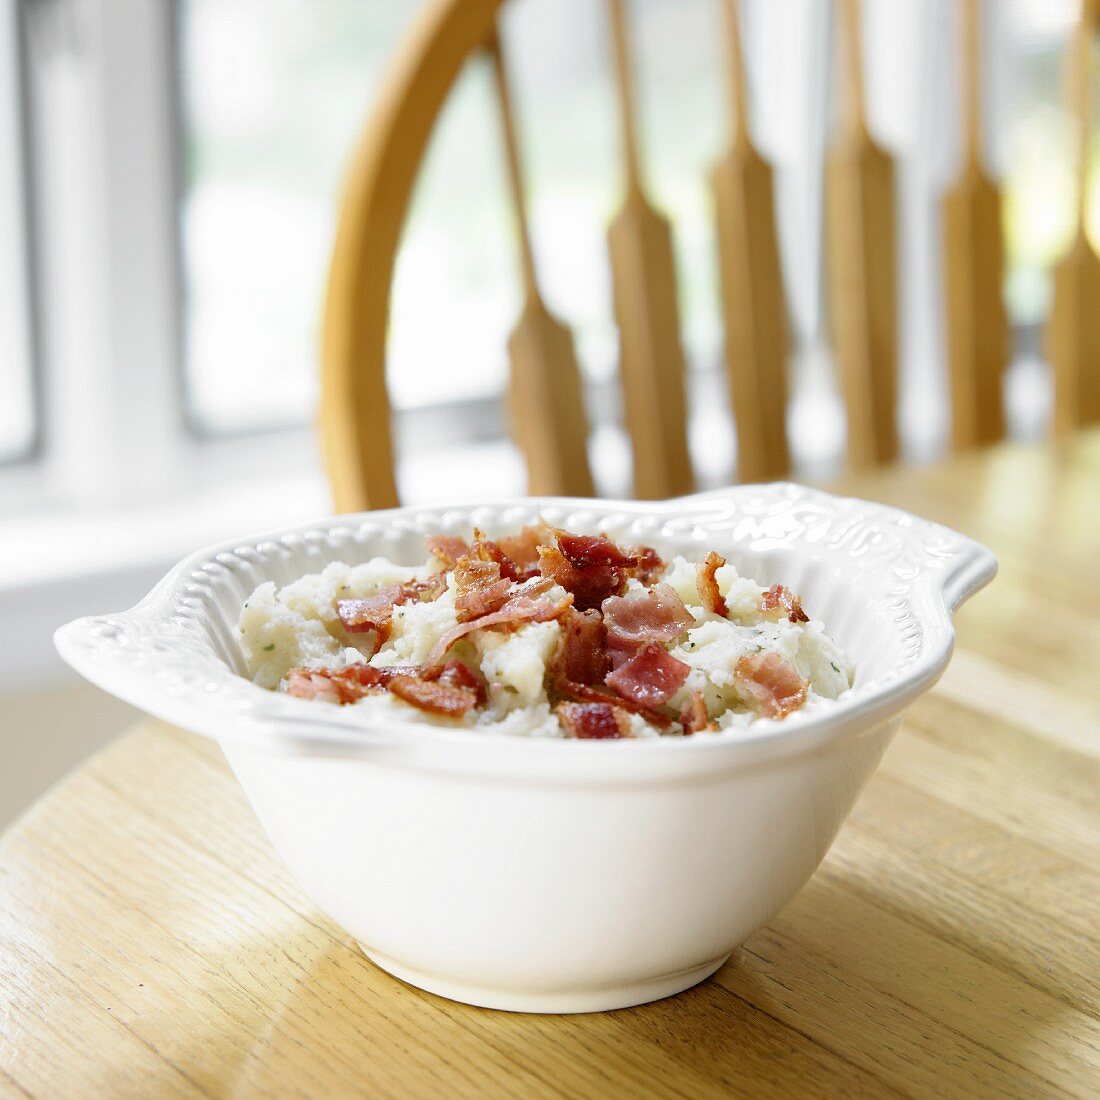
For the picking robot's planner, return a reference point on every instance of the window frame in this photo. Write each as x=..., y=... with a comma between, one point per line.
x=26, y=278
x=99, y=85
x=103, y=80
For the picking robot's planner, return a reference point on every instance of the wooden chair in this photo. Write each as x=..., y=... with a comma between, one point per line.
x=545, y=396
x=860, y=232
x=974, y=268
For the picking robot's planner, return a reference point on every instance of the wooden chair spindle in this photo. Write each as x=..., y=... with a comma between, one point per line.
x=546, y=404
x=643, y=272
x=977, y=321
x=860, y=230
x=754, y=311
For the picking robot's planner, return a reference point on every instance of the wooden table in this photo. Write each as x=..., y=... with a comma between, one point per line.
x=151, y=944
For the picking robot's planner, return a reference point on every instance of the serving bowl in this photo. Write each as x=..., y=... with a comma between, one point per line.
x=554, y=875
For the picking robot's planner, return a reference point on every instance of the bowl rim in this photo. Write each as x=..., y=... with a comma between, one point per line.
x=925, y=569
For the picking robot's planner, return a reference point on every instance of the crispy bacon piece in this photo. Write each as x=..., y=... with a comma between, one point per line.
x=779, y=602
x=435, y=696
x=582, y=656
x=560, y=688
x=650, y=678
x=593, y=721
x=554, y=565
x=348, y=685
x=447, y=548
x=304, y=683
x=528, y=602
x=479, y=588
x=486, y=550
x=587, y=551
x=590, y=587
x=371, y=613
x=770, y=685
x=648, y=565
x=658, y=615
x=427, y=590
x=376, y=612
x=693, y=715
x=523, y=547
x=342, y=685
x=712, y=598
x=456, y=674
x=592, y=567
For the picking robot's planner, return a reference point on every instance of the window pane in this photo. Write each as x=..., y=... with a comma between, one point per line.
x=17, y=411
x=1041, y=181
x=274, y=94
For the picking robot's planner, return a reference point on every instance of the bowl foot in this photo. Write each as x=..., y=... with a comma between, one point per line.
x=581, y=1000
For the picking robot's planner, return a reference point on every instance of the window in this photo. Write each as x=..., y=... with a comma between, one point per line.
x=272, y=100
x=1040, y=182
x=272, y=95
x=18, y=419
x=217, y=133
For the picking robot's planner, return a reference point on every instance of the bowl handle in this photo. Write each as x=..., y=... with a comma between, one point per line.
x=967, y=571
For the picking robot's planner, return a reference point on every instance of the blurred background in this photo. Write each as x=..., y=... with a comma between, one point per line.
x=170, y=172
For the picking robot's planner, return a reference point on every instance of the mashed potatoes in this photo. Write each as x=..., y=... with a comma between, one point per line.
x=532, y=647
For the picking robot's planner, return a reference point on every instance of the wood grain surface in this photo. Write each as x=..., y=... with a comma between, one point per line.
x=152, y=945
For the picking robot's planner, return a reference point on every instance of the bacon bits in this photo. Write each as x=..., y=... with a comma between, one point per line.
x=693, y=715
x=582, y=657
x=456, y=674
x=770, y=685
x=712, y=598
x=523, y=548
x=320, y=684
x=372, y=613
x=447, y=549
x=590, y=566
x=650, y=677
x=427, y=590
x=592, y=551
x=647, y=566
x=563, y=689
x=658, y=615
x=341, y=685
x=608, y=663
x=434, y=696
x=451, y=690
x=488, y=551
x=593, y=721
x=479, y=588
x=527, y=602
x=376, y=612
x=779, y=602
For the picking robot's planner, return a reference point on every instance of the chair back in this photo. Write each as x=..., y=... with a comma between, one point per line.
x=546, y=395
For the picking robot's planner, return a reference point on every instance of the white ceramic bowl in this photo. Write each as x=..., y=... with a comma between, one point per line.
x=555, y=876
